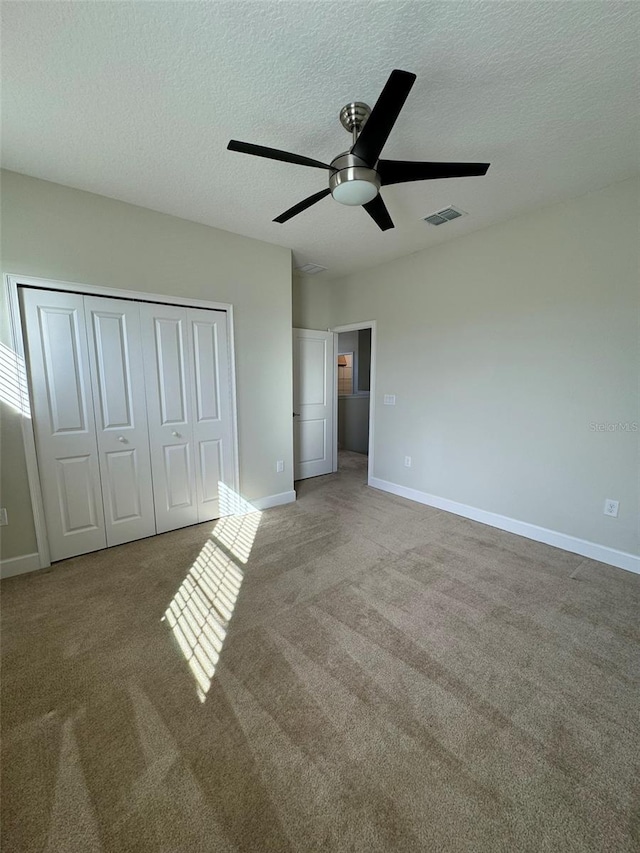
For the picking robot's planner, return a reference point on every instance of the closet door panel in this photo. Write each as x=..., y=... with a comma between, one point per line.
x=117, y=375
x=168, y=374
x=113, y=365
x=64, y=425
x=171, y=370
x=211, y=470
x=177, y=466
x=76, y=494
x=63, y=374
x=206, y=358
x=211, y=396
x=123, y=476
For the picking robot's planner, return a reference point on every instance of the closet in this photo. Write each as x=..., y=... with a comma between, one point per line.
x=132, y=411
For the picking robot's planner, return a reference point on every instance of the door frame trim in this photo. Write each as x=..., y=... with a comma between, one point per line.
x=355, y=327
x=12, y=283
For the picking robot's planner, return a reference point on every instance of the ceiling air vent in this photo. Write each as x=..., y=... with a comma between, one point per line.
x=444, y=215
x=311, y=269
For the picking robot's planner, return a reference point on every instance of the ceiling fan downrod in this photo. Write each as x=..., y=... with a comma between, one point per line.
x=353, y=118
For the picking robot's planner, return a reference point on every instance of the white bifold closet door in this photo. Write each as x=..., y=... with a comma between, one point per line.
x=117, y=383
x=65, y=431
x=189, y=410
x=132, y=414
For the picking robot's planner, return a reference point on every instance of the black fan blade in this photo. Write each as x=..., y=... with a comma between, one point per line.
x=383, y=116
x=400, y=171
x=377, y=210
x=302, y=205
x=275, y=154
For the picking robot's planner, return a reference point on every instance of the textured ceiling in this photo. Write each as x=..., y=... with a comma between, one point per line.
x=137, y=101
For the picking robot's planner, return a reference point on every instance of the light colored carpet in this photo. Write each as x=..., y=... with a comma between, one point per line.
x=392, y=678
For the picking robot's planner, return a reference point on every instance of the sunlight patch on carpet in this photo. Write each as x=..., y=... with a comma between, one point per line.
x=201, y=610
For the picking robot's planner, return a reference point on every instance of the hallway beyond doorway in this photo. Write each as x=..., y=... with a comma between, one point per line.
x=355, y=464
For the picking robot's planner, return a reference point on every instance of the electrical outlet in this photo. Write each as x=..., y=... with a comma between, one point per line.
x=279, y=466
x=611, y=508
x=389, y=399
x=407, y=462
x=3, y=517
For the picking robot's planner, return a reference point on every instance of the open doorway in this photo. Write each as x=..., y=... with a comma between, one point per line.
x=354, y=360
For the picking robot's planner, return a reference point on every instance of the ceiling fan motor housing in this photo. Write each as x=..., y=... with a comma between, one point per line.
x=353, y=182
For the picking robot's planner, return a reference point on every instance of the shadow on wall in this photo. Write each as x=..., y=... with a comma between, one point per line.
x=13, y=381
x=201, y=610
x=19, y=538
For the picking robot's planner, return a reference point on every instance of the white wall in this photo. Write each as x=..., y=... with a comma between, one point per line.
x=60, y=233
x=311, y=309
x=503, y=348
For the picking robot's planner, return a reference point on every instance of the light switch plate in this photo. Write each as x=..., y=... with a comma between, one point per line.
x=389, y=399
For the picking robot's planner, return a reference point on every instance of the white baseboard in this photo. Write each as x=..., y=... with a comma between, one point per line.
x=274, y=500
x=19, y=565
x=601, y=553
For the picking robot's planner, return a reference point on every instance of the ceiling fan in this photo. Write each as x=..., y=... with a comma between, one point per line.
x=357, y=175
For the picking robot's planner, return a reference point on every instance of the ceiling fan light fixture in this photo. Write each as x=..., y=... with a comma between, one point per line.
x=355, y=185
x=355, y=192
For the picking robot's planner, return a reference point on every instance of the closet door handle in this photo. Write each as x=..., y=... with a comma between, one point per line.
x=121, y=438
x=175, y=434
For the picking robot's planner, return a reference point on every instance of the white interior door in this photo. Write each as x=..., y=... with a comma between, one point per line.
x=164, y=334
x=312, y=403
x=117, y=378
x=211, y=407
x=64, y=421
